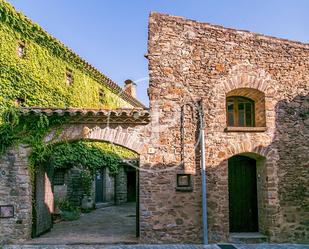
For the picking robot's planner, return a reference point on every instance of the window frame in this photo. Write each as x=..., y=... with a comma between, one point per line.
x=69, y=77
x=102, y=96
x=21, y=49
x=236, y=100
x=59, y=174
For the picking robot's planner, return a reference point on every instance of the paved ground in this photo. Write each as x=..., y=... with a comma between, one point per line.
x=109, y=225
x=259, y=246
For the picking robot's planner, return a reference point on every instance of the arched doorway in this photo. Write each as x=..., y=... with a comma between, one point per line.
x=243, y=210
x=69, y=196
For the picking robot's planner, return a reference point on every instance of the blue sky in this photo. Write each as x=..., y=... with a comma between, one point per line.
x=112, y=35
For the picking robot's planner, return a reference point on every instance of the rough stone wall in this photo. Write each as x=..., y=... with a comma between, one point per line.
x=291, y=138
x=60, y=192
x=191, y=61
x=15, y=189
x=121, y=186
x=75, y=190
x=109, y=187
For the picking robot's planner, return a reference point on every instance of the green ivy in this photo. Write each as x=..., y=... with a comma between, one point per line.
x=91, y=155
x=17, y=128
x=39, y=77
x=31, y=129
x=85, y=180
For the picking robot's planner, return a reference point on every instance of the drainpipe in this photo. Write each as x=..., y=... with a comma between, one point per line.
x=203, y=168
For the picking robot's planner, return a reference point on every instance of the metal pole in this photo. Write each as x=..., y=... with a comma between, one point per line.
x=203, y=168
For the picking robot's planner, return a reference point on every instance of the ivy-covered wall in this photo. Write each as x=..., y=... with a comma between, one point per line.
x=39, y=77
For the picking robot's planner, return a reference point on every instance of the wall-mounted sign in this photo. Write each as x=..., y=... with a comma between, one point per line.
x=183, y=180
x=6, y=211
x=184, y=183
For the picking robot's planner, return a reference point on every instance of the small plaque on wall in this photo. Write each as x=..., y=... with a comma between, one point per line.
x=184, y=182
x=6, y=211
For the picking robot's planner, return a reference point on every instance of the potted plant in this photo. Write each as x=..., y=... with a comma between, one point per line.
x=86, y=182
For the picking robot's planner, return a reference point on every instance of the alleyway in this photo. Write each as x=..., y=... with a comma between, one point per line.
x=114, y=224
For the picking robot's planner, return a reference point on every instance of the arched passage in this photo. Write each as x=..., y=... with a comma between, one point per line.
x=81, y=175
x=118, y=128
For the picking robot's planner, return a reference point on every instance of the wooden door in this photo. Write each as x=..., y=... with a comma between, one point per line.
x=137, y=204
x=99, y=187
x=131, y=186
x=43, y=205
x=243, y=210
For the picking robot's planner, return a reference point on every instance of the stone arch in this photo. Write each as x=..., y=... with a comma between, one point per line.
x=246, y=147
x=130, y=138
x=267, y=183
x=245, y=75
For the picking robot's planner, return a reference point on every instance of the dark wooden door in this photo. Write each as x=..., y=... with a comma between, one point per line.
x=131, y=186
x=99, y=187
x=42, y=218
x=242, y=194
x=137, y=204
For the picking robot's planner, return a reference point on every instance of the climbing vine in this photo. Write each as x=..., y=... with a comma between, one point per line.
x=17, y=128
x=31, y=129
x=39, y=79
x=91, y=155
x=43, y=69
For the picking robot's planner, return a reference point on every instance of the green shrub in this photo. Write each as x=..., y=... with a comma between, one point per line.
x=65, y=205
x=69, y=215
x=68, y=211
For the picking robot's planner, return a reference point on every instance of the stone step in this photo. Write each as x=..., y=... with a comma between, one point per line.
x=247, y=238
x=170, y=246
x=175, y=246
x=103, y=204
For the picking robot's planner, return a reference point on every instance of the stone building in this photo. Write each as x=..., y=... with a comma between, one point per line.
x=38, y=70
x=253, y=90
x=250, y=94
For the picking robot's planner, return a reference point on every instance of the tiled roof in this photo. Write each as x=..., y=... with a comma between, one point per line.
x=90, y=115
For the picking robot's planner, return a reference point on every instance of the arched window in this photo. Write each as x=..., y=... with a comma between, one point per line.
x=240, y=112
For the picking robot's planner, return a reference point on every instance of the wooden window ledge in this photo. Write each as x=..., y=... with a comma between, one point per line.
x=245, y=129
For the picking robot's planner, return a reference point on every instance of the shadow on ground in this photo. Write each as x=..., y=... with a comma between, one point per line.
x=109, y=225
